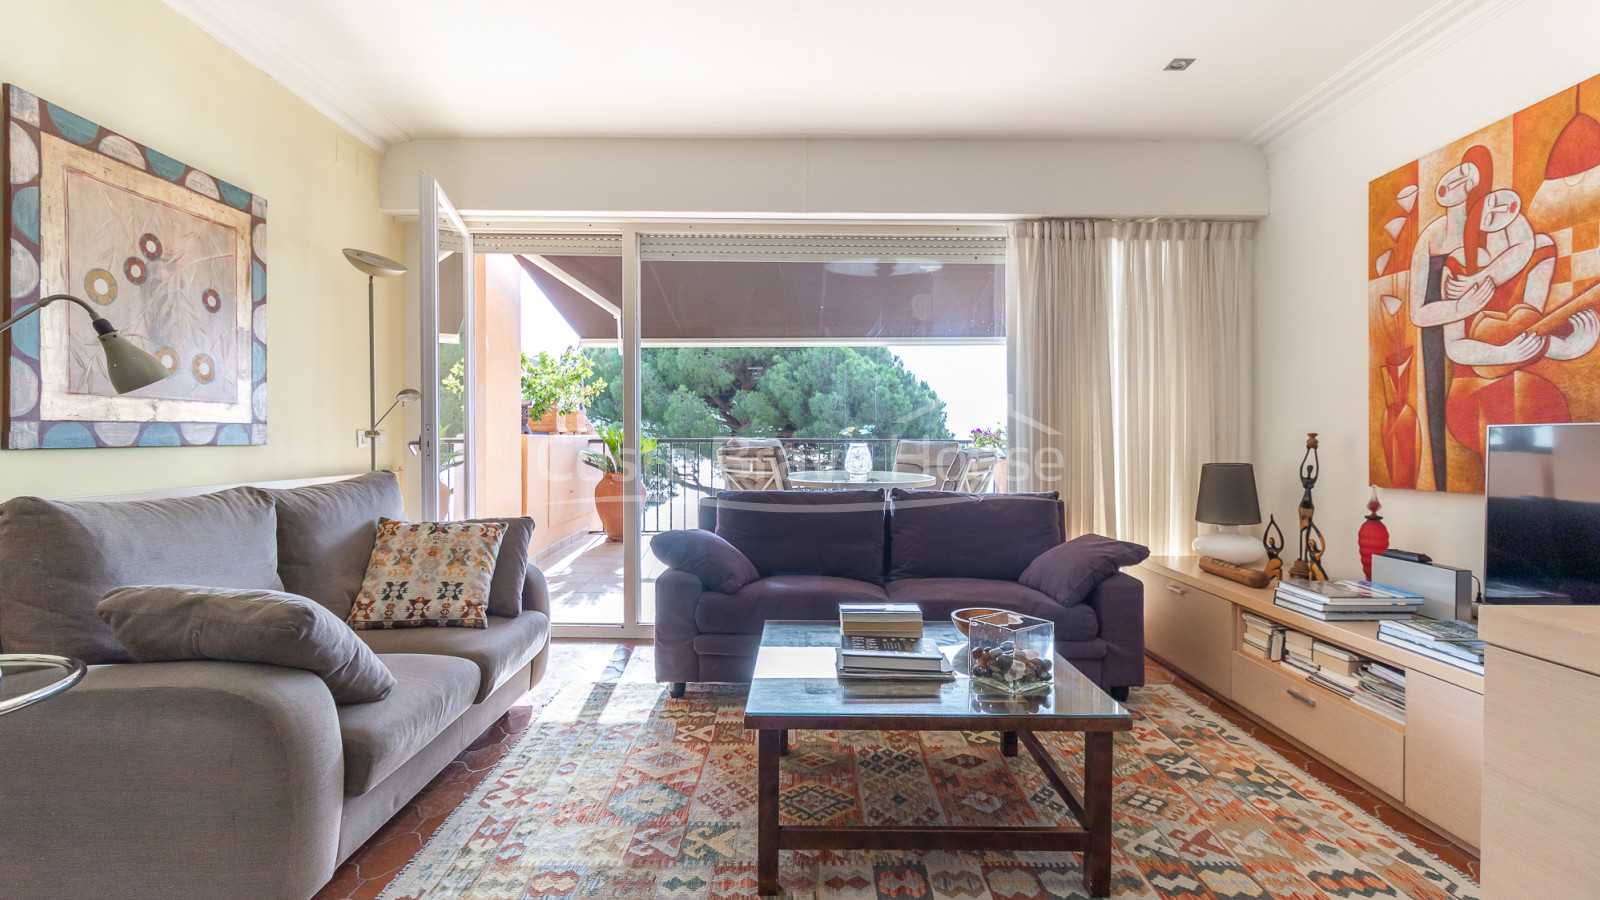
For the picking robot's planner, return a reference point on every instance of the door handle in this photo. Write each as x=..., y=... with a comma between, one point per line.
x=1176, y=590
x=1309, y=701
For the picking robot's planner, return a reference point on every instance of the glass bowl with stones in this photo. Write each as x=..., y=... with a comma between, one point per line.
x=1012, y=651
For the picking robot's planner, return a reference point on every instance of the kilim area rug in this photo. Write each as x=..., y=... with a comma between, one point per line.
x=619, y=792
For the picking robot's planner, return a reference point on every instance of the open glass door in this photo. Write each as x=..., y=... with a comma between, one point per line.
x=447, y=457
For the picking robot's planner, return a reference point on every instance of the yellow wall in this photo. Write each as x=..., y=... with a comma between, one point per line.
x=140, y=68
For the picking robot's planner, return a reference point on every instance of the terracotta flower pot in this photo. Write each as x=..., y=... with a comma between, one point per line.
x=544, y=424
x=608, y=503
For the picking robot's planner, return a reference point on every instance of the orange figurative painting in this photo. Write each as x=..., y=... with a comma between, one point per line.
x=1483, y=292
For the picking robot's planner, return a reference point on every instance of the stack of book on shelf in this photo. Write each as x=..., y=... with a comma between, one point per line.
x=1382, y=689
x=1450, y=642
x=891, y=658
x=1297, y=652
x=1263, y=638
x=1338, y=669
x=881, y=619
x=1342, y=601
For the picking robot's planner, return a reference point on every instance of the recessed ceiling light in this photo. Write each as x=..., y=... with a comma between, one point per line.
x=1179, y=64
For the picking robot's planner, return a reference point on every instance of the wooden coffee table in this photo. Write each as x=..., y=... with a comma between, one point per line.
x=795, y=688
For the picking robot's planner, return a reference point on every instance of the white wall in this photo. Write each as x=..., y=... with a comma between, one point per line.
x=641, y=178
x=140, y=68
x=1311, y=286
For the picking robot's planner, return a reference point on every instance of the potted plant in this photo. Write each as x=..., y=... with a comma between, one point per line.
x=554, y=388
x=608, y=492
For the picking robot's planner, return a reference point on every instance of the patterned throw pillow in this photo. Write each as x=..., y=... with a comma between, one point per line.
x=428, y=574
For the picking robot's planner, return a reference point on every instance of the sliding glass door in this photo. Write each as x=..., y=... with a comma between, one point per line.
x=445, y=447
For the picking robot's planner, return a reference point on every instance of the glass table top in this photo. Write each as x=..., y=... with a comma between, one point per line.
x=877, y=477
x=795, y=677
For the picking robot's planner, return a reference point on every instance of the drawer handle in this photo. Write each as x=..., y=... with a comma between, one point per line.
x=1309, y=701
x=1176, y=590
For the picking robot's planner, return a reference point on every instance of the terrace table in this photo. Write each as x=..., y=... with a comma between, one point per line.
x=840, y=480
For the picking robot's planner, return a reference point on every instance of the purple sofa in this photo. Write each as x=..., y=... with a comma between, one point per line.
x=799, y=554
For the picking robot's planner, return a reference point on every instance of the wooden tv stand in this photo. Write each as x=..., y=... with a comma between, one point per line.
x=1430, y=766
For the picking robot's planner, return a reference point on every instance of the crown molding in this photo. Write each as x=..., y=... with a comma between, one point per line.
x=1442, y=25
x=247, y=35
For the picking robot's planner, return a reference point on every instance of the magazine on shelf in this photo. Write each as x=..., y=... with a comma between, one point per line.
x=1448, y=631
x=1357, y=614
x=1471, y=651
x=1325, y=591
x=1475, y=666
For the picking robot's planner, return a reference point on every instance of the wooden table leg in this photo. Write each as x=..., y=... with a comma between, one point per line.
x=783, y=742
x=769, y=746
x=1097, y=812
x=1008, y=743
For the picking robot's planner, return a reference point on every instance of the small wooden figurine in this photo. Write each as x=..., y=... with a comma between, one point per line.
x=1312, y=544
x=1274, y=547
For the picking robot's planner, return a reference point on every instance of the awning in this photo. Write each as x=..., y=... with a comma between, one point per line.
x=690, y=301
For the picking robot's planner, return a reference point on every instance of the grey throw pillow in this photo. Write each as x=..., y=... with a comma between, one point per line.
x=510, y=565
x=718, y=564
x=326, y=533
x=168, y=623
x=1070, y=572
x=59, y=557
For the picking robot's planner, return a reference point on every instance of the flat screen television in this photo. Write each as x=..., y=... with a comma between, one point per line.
x=1542, y=535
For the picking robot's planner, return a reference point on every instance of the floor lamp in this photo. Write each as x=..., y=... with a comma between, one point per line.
x=128, y=367
x=374, y=266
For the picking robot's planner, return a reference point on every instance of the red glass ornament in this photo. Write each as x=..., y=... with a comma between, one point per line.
x=1373, y=538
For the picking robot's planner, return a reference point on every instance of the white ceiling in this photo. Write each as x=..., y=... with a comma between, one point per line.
x=1081, y=69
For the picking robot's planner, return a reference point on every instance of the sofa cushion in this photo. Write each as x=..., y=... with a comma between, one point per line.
x=945, y=534
x=1072, y=571
x=510, y=565
x=499, y=651
x=430, y=693
x=718, y=564
x=58, y=558
x=428, y=574
x=837, y=533
x=780, y=597
x=325, y=535
x=169, y=623
x=939, y=597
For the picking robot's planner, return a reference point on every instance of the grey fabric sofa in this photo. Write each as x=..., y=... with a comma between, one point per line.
x=803, y=553
x=208, y=779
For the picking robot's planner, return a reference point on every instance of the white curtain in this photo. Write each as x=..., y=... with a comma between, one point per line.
x=1058, y=336
x=1131, y=354
x=1183, y=339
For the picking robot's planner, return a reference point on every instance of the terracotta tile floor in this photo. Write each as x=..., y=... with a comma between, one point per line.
x=369, y=869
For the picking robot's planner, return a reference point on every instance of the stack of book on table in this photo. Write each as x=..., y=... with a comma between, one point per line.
x=881, y=619
x=1263, y=638
x=1342, y=601
x=1382, y=689
x=1450, y=642
x=884, y=641
x=892, y=658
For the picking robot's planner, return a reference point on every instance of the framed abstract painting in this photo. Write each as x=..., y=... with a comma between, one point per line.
x=1483, y=268
x=175, y=258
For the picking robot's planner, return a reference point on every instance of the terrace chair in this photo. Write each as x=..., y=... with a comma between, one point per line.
x=941, y=459
x=975, y=470
x=754, y=464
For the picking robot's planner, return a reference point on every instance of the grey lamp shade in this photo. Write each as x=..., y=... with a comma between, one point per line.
x=1227, y=495
x=129, y=367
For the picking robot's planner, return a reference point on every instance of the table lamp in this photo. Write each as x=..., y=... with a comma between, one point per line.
x=1228, y=499
x=128, y=367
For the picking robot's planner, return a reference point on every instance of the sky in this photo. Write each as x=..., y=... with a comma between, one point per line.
x=971, y=380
